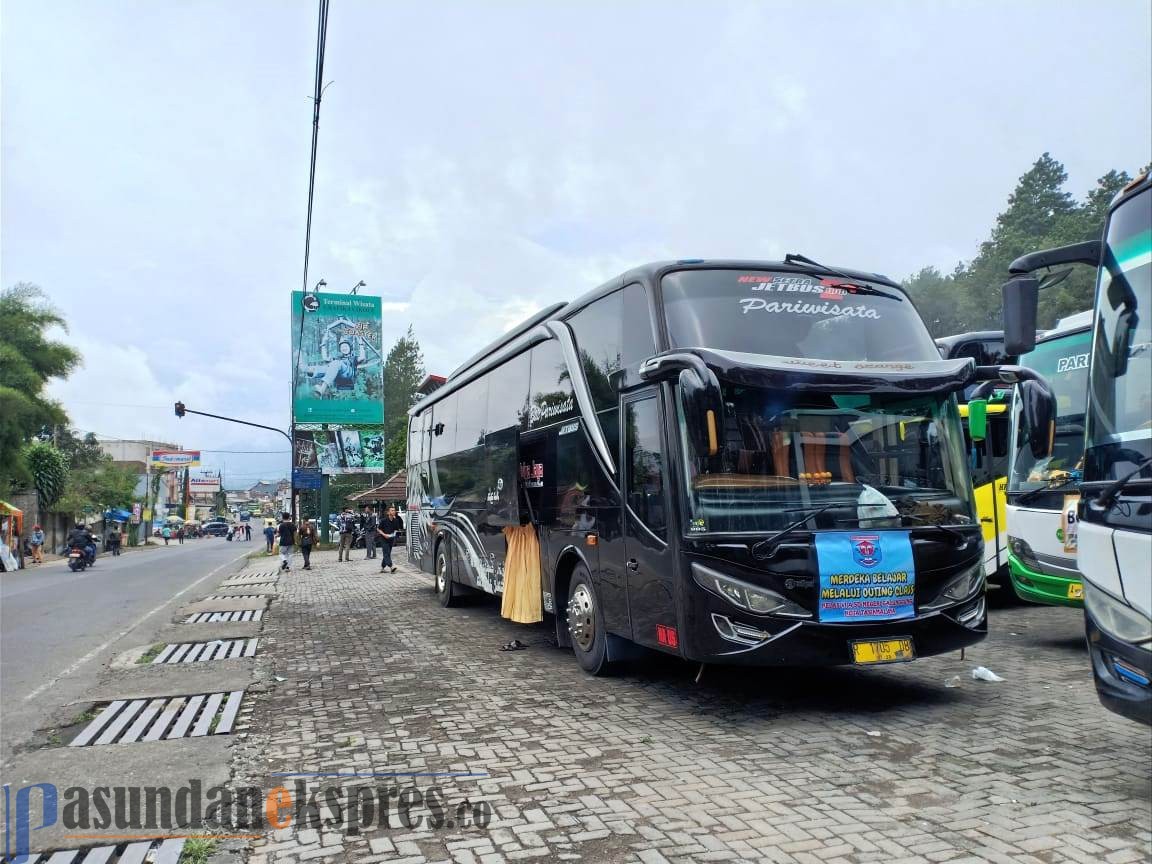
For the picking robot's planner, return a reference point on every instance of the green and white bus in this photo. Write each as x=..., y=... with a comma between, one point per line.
x=1043, y=493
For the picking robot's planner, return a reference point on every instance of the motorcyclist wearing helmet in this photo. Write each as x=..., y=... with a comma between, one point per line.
x=81, y=538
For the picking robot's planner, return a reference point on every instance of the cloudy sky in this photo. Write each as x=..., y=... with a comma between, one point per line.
x=479, y=160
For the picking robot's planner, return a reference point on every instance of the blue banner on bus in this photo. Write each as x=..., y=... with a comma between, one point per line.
x=865, y=575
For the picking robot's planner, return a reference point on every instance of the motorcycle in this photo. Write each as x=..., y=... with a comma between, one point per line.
x=79, y=559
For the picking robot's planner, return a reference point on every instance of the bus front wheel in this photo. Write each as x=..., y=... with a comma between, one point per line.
x=586, y=624
x=445, y=589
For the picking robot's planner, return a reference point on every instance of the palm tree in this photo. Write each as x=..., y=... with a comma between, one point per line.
x=28, y=359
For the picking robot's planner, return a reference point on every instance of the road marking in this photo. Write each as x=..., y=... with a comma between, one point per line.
x=106, y=645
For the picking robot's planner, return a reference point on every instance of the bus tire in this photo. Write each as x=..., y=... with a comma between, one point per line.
x=446, y=591
x=586, y=624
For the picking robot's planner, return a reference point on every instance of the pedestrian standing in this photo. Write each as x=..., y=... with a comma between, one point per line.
x=371, y=522
x=390, y=527
x=112, y=544
x=247, y=530
x=307, y=538
x=269, y=536
x=180, y=535
x=166, y=534
x=287, y=531
x=37, y=544
x=347, y=533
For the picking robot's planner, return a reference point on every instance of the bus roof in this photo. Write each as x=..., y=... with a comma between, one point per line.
x=650, y=273
x=1067, y=325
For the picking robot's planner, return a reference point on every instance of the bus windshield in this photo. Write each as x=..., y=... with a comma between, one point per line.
x=1120, y=386
x=1063, y=362
x=793, y=315
x=854, y=461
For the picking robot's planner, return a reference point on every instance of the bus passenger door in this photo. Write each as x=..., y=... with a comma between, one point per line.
x=648, y=558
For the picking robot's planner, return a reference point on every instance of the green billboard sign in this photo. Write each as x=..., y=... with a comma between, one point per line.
x=336, y=359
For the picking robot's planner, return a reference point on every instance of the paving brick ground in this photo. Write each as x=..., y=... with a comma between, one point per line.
x=836, y=765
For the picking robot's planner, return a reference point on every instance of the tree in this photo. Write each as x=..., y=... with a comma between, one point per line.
x=49, y=469
x=1040, y=214
x=92, y=489
x=28, y=361
x=403, y=372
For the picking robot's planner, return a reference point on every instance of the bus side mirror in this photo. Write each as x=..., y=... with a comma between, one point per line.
x=1121, y=345
x=702, y=412
x=1021, y=298
x=1039, y=404
x=978, y=419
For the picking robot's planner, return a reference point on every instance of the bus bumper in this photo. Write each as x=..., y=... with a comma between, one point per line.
x=810, y=643
x=1122, y=672
x=1037, y=587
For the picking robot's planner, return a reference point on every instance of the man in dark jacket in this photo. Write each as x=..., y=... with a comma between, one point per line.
x=368, y=522
x=287, y=532
x=390, y=526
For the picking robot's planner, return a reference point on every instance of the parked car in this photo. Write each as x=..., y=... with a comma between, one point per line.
x=216, y=529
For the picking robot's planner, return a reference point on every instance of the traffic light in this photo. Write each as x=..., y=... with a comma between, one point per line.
x=179, y=409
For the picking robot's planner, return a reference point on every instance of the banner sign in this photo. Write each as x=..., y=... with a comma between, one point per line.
x=206, y=481
x=136, y=513
x=340, y=451
x=866, y=575
x=337, y=365
x=163, y=459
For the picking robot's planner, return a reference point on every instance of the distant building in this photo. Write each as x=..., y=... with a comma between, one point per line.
x=137, y=455
x=430, y=385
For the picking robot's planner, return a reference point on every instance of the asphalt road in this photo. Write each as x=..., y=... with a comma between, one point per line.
x=57, y=628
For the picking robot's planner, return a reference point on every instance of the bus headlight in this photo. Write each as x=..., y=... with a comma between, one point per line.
x=753, y=598
x=1020, y=548
x=967, y=583
x=1117, y=618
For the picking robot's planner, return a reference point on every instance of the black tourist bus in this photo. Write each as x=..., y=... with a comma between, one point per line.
x=728, y=461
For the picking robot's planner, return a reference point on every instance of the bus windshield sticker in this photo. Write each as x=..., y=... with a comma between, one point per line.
x=830, y=310
x=697, y=526
x=866, y=576
x=569, y=427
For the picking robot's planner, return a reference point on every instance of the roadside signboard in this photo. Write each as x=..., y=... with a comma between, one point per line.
x=205, y=481
x=337, y=364
x=167, y=459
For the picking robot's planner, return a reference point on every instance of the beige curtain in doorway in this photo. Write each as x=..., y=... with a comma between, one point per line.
x=522, y=600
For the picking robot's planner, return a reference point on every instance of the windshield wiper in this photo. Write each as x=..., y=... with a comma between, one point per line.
x=1111, y=493
x=764, y=549
x=853, y=283
x=960, y=538
x=1033, y=494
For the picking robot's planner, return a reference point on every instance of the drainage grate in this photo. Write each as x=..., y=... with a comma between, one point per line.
x=155, y=852
x=235, y=597
x=125, y=721
x=214, y=617
x=198, y=652
x=270, y=576
x=249, y=585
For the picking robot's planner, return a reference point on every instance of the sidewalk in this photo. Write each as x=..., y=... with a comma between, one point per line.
x=811, y=765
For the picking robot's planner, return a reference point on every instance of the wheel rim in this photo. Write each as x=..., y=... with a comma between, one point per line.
x=441, y=574
x=582, y=618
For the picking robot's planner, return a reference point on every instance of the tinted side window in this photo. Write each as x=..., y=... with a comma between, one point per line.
x=444, y=421
x=415, y=439
x=598, y=329
x=472, y=414
x=551, y=400
x=637, y=338
x=508, y=395
x=645, y=465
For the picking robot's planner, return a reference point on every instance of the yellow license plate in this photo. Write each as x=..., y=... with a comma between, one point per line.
x=882, y=651
x=1076, y=591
